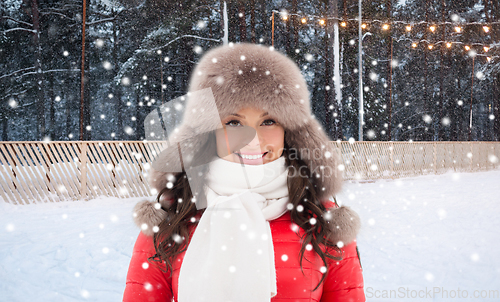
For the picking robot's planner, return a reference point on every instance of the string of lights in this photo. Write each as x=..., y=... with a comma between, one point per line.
x=423, y=29
x=343, y=21
x=473, y=48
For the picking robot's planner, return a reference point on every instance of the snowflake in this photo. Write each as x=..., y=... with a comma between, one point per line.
x=99, y=43
x=85, y=293
x=429, y=277
x=197, y=49
x=10, y=227
x=107, y=65
x=474, y=257
x=201, y=24
x=442, y=214
x=125, y=81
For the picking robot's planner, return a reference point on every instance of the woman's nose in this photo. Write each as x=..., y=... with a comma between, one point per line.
x=255, y=141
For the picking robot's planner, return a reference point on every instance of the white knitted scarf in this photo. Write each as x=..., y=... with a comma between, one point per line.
x=231, y=257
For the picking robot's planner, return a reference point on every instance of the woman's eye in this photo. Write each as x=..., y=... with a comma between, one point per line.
x=268, y=122
x=233, y=123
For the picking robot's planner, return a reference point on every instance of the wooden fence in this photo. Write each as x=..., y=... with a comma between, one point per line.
x=32, y=172
x=375, y=160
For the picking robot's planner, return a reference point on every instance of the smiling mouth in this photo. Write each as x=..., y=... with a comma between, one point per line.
x=258, y=156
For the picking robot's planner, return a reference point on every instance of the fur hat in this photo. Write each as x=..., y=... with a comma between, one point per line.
x=232, y=77
x=249, y=75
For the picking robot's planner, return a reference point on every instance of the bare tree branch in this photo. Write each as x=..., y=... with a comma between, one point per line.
x=48, y=71
x=27, y=105
x=34, y=72
x=55, y=13
x=18, y=21
x=17, y=71
x=19, y=29
x=172, y=41
x=100, y=21
x=109, y=18
x=14, y=94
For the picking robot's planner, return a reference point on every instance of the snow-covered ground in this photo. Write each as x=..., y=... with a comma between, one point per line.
x=427, y=238
x=430, y=237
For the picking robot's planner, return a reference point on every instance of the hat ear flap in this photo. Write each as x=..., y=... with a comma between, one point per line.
x=344, y=225
x=147, y=216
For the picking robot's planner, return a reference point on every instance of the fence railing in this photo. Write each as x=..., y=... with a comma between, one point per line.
x=375, y=160
x=32, y=172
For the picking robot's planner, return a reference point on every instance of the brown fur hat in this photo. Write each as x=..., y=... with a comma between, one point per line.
x=250, y=75
x=233, y=77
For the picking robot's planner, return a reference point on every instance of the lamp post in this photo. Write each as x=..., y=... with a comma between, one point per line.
x=360, y=70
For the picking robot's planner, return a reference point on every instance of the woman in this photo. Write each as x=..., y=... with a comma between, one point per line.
x=249, y=217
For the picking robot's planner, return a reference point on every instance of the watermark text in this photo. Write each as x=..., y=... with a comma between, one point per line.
x=431, y=293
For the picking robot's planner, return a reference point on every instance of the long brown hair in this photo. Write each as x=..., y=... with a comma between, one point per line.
x=175, y=231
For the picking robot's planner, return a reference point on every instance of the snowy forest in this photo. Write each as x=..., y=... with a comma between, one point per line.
x=430, y=68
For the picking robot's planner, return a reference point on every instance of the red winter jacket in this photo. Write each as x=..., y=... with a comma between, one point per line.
x=344, y=281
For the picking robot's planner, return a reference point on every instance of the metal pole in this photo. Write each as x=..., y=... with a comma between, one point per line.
x=225, y=39
x=390, y=92
x=471, y=93
x=82, y=76
x=336, y=70
x=162, y=89
x=272, y=30
x=360, y=71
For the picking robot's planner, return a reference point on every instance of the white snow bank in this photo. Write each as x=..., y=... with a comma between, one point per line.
x=69, y=251
x=419, y=235
x=429, y=236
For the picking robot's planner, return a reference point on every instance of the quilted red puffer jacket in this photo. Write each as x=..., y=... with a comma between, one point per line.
x=344, y=281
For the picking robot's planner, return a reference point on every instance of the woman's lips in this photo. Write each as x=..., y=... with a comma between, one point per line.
x=251, y=156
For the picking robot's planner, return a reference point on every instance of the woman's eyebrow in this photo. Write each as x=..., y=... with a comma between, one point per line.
x=242, y=116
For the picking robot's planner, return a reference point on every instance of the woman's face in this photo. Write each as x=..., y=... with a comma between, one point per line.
x=267, y=144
